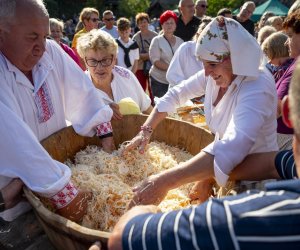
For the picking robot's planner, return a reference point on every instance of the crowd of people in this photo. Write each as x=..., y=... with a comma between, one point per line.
x=248, y=73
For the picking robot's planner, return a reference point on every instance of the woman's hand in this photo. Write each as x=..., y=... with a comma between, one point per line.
x=202, y=190
x=140, y=142
x=108, y=144
x=151, y=191
x=116, y=111
x=77, y=208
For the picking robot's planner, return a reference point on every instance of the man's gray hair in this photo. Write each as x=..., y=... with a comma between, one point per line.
x=249, y=3
x=8, y=8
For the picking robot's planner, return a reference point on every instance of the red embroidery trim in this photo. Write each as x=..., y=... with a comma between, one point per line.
x=104, y=128
x=64, y=196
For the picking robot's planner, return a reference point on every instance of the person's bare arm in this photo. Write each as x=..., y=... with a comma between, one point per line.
x=255, y=167
x=134, y=66
x=161, y=65
x=148, y=110
x=154, y=188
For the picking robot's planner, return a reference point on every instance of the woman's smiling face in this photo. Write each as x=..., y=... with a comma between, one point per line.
x=221, y=72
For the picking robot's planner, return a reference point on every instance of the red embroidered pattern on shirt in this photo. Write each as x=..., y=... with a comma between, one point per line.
x=44, y=104
x=104, y=128
x=122, y=72
x=64, y=196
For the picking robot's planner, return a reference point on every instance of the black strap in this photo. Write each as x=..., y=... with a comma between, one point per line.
x=170, y=45
x=127, y=50
x=142, y=42
x=2, y=203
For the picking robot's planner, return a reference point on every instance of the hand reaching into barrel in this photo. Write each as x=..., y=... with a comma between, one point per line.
x=140, y=141
x=77, y=208
x=151, y=191
x=108, y=144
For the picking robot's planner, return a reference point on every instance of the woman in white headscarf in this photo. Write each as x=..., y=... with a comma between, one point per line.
x=240, y=107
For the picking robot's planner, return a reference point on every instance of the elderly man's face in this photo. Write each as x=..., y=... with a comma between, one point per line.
x=188, y=8
x=24, y=43
x=200, y=8
x=108, y=20
x=247, y=11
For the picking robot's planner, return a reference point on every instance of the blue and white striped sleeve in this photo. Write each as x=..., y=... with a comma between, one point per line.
x=285, y=165
x=254, y=220
x=183, y=229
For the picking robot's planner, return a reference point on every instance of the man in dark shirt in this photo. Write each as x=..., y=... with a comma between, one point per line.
x=243, y=17
x=187, y=24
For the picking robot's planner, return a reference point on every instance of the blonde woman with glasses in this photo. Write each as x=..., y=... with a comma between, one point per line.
x=99, y=50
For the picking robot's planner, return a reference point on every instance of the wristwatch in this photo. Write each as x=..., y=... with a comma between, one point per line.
x=2, y=203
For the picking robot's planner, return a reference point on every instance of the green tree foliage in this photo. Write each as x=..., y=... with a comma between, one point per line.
x=129, y=8
x=215, y=5
x=98, y=4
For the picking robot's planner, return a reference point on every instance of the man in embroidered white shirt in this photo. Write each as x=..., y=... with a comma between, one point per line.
x=41, y=85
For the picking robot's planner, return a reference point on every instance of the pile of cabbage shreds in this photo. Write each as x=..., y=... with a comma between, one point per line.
x=111, y=178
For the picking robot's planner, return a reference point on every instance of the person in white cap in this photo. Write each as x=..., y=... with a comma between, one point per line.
x=240, y=108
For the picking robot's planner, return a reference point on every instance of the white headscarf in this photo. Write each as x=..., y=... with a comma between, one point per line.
x=225, y=37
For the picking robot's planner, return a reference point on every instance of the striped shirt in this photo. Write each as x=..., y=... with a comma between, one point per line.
x=285, y=165
x=254, y=220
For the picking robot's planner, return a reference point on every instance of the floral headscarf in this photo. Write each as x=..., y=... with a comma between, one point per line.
x=225, y=37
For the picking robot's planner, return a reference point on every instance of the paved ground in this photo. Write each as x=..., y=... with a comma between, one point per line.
x=24, y=233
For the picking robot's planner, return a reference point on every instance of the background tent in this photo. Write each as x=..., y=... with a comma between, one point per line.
x=275, y=6
x=271, y=5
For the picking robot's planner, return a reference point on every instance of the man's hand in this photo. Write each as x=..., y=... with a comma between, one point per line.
x=151, y=191
x=12, y=193
x=77, y=208
x=108, y=144
x=115, y=240
x=116, y=111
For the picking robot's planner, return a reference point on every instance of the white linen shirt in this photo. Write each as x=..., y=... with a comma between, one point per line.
x=184, y=64
x=22, y=156
x=69, y=94
x=160, y=50
x=244, y=120
x=125, y=84
x=134, y=54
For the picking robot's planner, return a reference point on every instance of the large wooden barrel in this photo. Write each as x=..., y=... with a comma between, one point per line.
x=63, y=145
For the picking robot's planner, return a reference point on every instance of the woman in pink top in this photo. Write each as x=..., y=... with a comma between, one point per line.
x=56, y=30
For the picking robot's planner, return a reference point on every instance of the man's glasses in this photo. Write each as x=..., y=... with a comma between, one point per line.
x=203, y=6
x=104, y=62
x=109, y=19
x=94, y=20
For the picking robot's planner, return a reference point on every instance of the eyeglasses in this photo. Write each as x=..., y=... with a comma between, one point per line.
x=204, y=6
x=109, y=19
x=94, y=20
x=104, y=62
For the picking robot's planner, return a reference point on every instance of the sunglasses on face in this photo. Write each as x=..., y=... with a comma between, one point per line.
x=104, y=62
x=203, y=6
x=109, y=19
x=94, y=20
